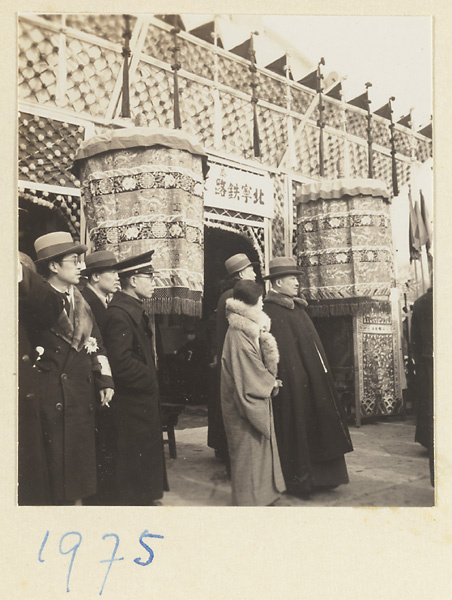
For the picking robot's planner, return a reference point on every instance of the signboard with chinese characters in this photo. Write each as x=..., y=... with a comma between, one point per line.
x=239, y=190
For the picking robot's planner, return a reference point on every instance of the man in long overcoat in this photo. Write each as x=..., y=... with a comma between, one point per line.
x=422, y=348
x=310, y=426
x=103, y=282
x=39, y=308
x=71, y=366
x=141, y=471
x=238, y=267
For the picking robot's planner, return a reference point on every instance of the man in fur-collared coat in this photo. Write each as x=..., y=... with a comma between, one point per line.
x=248, y=379
x=310, y=424
x=72, y=364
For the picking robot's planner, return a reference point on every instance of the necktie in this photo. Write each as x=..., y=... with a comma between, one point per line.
x=66, y=302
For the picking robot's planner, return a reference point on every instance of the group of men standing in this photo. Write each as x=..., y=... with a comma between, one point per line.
x=78, y=350
x=310, y=424
x=81, y=347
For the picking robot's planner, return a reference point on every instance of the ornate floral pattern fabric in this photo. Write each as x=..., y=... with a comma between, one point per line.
x=151, y=198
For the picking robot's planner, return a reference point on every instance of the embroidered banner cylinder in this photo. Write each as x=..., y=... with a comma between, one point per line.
x=142, y=189
x=344, y=240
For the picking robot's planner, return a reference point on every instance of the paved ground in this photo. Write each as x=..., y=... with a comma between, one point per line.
x=387, y=468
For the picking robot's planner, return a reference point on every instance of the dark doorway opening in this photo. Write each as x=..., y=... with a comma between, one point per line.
x=34, y=221
x=219, y=245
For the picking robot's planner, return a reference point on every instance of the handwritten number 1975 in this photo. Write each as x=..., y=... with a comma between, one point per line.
x=70, y=543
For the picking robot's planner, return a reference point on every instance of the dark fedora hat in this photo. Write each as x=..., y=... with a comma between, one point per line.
x=97, y=262
x=55, y=244
x=281, y=266
x=237, y=263
x=140, y=263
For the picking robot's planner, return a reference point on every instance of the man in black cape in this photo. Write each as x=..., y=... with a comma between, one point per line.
x=310, y=426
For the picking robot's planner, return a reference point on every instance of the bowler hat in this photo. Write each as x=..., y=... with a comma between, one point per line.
x=281, y=266
x=57, y=243
x=140, y=263
x=97, y=262
x=237, y=263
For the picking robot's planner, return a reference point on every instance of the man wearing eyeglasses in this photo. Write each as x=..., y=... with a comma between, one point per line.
x=141, y=472
x=72, y=364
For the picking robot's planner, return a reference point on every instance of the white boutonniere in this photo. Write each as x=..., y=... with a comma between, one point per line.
x=91, y=345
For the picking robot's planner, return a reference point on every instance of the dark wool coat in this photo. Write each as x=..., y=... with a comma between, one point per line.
x=72, y=366
x=39, y=307
x=106, y=434
x=310, y=425
x=141, y=472
x=98, y=308
x=422, y=347
x=249, y=365
x=216, y=435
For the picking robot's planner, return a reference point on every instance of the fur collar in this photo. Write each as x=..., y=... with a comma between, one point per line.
x=77, y=334
x=284, y=300
x=256, y=324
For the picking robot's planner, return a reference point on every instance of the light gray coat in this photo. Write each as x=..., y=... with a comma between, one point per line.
x=249, y=366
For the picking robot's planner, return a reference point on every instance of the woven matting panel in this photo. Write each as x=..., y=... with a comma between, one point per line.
x=37, y=63
x=380, y=133
x=271, y=90
x=358, y=160
x=402, y=142
x=356, y=124
x=47, y=149
x=196, y=58
x=159, y=44
x=273, y=135
x=234, y=74
x=307, y=151
x=332, y=156
x=237, y=125
x=151, y=95
x=197, y=111
x=300, y=100
x=333, y=115
x=278, y=248
x=92, y=74
x=424, y=149
x=107, y=27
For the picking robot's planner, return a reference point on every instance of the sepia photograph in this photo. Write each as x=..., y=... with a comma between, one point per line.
x=225, y=260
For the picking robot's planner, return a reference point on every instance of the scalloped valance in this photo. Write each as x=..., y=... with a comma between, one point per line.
x=139, y=137
x=333, y=189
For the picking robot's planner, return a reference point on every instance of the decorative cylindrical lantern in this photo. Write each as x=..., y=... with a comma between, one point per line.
x=344, y=240
x=345, y=251
x=142, y=189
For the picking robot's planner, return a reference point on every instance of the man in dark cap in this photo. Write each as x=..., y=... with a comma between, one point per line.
x=141, y=472
x=71, y=365
x=310, y=426
x=103, y=281
x=238, y=267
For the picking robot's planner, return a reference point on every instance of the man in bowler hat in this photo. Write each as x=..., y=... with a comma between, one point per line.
x=141, y=472
x=72, y=365
x=238, y=267
x=310, y=426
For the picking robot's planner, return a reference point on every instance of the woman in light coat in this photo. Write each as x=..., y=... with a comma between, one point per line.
x=248, y=380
